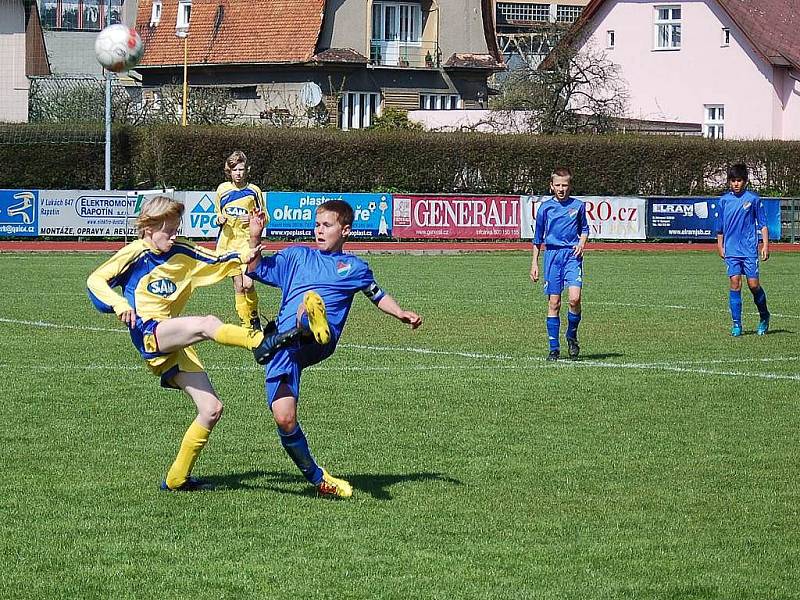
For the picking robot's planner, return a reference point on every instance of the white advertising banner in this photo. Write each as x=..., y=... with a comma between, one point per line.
x=200, y=218
x=92, y=213
x=609, y=217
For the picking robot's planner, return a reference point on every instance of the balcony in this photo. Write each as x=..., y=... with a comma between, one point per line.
x=418, y=55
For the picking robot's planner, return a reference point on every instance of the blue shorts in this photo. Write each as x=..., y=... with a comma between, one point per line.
x=287, y=364
x=562, y=269
x=738, y=265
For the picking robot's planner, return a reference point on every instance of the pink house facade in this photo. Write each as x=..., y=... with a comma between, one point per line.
x=732, y=66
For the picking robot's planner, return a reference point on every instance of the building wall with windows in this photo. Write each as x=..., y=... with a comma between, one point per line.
x=13, y=82
x=689, y=62
x=70, y=28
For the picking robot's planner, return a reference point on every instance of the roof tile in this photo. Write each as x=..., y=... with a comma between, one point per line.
x=233, y=32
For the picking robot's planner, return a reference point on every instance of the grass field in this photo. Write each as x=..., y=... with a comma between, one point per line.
x=663, y=465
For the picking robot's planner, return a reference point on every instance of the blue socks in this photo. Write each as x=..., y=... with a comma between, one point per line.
x=296, y=446
x=553, y=328
x=572, y=325
x=735, y=302
x=760, y=298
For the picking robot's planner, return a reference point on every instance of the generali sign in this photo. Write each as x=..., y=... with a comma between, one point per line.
x=456, y=217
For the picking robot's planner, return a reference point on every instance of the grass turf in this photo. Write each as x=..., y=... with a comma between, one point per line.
x=662, y=465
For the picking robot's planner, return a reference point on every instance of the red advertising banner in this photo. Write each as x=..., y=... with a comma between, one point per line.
x=451, y=217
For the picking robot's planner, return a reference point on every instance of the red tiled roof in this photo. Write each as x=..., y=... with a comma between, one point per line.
x=771, y=26
x=233, y=32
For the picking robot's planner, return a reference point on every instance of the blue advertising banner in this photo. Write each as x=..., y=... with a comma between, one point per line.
x=695, y=218
x=291, y=214
x=19, y=213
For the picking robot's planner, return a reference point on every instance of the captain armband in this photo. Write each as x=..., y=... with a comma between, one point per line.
x=374, y=292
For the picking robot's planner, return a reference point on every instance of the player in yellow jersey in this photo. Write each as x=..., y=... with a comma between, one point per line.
x=157, y=274
x=235, y=200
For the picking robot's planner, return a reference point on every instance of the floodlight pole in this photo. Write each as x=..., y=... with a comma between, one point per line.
x=108, y=113
x=183, y=32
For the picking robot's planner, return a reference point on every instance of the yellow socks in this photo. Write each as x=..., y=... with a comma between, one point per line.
x=247, y=307
x=194, y=440
x=235, y=335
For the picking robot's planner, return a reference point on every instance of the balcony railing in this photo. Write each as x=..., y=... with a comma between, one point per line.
x=421, y=55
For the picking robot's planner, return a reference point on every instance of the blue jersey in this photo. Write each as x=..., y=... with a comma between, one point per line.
x=560, y=224
x=739, y=220
x=336, y=277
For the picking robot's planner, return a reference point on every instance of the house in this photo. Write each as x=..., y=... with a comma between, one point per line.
x=22, y=56
x=730, y=66
x=527, y=30
x=355, y=58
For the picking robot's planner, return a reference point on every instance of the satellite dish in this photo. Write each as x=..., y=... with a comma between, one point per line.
x=310, y=94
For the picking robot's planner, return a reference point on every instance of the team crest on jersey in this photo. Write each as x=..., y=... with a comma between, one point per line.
x=235, y=211
x=573, y=212
x=343, y=268
x=162, y=287
x=746, y=205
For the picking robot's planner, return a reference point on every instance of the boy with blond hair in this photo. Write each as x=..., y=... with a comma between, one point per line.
x=157, y=274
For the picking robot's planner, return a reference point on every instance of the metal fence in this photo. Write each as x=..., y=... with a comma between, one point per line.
x=790, y=220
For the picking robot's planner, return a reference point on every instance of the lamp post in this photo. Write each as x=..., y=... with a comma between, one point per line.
x=183, y=33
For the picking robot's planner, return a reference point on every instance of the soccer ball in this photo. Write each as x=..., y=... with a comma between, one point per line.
x=118, y=48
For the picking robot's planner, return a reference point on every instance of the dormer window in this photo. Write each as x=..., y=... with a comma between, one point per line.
x=155, y=15
x=184, y=14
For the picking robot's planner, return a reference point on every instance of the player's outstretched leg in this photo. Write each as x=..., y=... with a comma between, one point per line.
x=317, y=318
x=274, y=341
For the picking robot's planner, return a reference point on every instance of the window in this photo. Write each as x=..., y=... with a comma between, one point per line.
x=610, y=39
x=518, y=11
x=668, y=28
x=396, y=22
x=566, y=13
x=440, y=102
x=357, y=109
x=78, y=15
x=714, y=122
x=726, y=37
x=184, y=14
x=155, y=15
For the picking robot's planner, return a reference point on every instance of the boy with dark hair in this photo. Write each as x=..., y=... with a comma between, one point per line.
x=562, y=228
x=740, y=219
x=317, y=289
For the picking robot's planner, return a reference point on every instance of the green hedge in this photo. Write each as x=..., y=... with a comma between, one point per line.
x=400, y=161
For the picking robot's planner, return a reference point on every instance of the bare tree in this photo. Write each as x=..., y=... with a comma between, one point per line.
x=571, y=92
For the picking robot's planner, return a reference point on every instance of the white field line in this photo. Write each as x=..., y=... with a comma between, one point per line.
x=679, y=307
x=521, y=362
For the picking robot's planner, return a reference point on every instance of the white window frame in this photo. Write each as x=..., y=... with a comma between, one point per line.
x=358, y=109
x=726, y=37
x=610, y=39
x=666, y=26
x=714, y=121
x=397, y=22
x=567, y=13
x=440, y=102
x=184, y=14
x=155, y=14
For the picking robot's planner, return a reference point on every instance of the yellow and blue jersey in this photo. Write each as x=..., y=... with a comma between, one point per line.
x=560, y=224
x=739, y=220
x=231, y=204
x=156, y=285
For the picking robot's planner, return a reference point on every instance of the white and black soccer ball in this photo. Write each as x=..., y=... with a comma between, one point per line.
x=118, y=48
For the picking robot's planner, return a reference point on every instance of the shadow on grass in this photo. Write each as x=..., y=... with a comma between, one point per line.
x=598, y=356
x=376, y=485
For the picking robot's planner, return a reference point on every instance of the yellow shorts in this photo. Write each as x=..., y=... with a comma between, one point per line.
x=233, y=242
x=184, y=360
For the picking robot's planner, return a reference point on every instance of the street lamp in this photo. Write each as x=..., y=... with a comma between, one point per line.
x=183, y=33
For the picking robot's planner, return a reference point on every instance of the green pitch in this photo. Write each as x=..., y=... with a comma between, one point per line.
x=663, y=465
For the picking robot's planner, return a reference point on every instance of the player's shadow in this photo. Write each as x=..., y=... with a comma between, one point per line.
x=599, y=356
x=282, y=482
x=773, y=332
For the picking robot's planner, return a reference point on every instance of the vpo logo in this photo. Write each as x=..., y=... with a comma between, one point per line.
x=162, y=287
